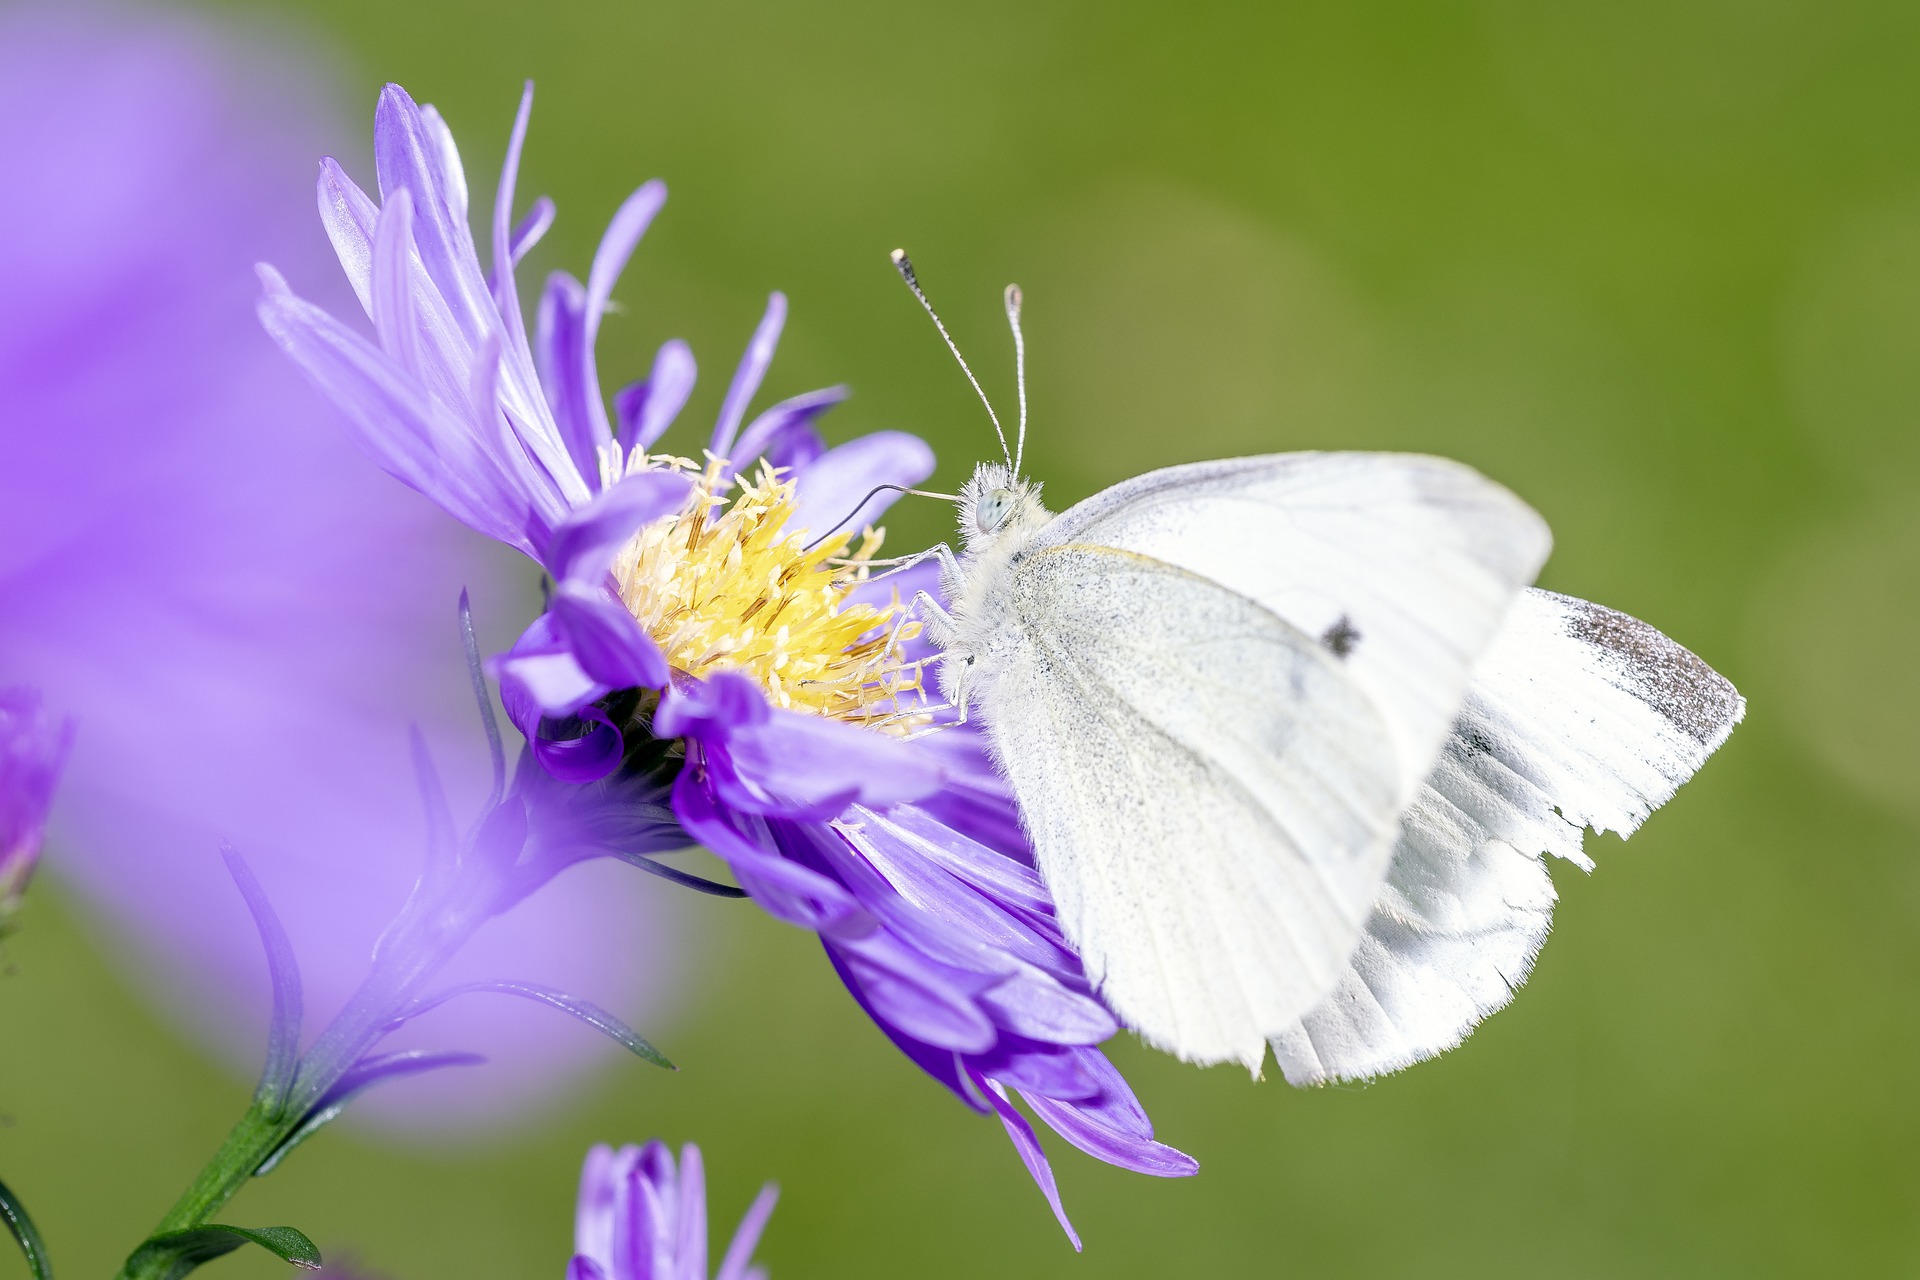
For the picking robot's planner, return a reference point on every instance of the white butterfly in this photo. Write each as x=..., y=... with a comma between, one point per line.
x=1289, y=733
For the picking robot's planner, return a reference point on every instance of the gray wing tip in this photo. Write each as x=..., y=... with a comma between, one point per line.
x=1673, y=680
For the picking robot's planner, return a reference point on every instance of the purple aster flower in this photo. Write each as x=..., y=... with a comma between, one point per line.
x=33, y=746
x=714, y=636
x=242, y=618
x=641, y=1217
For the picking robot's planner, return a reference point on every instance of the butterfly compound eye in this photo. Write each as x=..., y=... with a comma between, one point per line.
x=994, y=509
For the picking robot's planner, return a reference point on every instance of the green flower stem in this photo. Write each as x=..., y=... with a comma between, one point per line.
x=257, y=1136
x=425, y=941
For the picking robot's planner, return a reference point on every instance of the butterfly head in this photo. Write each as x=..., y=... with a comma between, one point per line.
x=997, y=507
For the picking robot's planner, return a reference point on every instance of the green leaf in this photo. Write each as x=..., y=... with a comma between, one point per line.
x=24, y=1231
x=176, y=1253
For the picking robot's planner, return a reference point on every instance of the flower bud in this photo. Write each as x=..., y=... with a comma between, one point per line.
x=32, y=749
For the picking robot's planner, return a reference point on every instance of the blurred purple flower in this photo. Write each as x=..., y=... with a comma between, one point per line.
x=240, y=616
x=519, y=844
x=698, y=634
x=33, y=746
x=641, y=1218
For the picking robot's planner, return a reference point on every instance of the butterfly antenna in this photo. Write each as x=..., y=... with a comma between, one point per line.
x=904, y=265
x=877, y=489
x=1020, y=372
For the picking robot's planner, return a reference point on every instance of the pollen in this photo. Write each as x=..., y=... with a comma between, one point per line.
x=723, y=587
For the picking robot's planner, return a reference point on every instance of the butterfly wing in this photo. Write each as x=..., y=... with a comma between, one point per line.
x=1404, y=564
x=1211, y=798
x=1578, y=716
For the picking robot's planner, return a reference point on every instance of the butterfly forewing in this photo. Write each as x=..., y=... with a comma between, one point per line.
x=1401, y=564
x=1211, y=796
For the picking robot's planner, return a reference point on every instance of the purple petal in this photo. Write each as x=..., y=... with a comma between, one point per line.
x=788, y=762
x=410, y=435
x=394, y=317
x=796, y=449
x=1007, y=879
x=831, y=489
x=530, y=229
x=451, y=170
x=767, y=433
x=545, y=695
x=809, y=766
x=640, y=1244
x=410, y=155
x=593, y=1211
x=560, y=345
x=584, y=543
x=1031, y=1155
x=1049, y=1070
x=349, y=216
x=1074, y=1123
x=483, y=392
x=976, y=801
x=629, y=223
x=746, y=1237
x=943, y=1065
x=544, y=683
x=907, y=991
x=588, y=757
x=507, y=248
x=588, y=429
x=1111, y=1125
x=605, y=640
x=646, y=409
x=786, y=890
x=447, y=348
x=691, y=1230
x=583, y=1268
x=915, y=868
x=1034, y=1005
x=421, y=335
x=949, y=938
x=747, y=377
x=529, y=688
x=656, y=1165
x=705, y=708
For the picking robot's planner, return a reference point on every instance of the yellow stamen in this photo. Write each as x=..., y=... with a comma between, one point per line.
x=724, y=589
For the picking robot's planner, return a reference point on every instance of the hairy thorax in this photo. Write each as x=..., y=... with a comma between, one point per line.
x=1000, y=515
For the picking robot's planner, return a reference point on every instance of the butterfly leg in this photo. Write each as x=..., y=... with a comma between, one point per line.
x=938, y=621
x=900, y=564
x=955, y=668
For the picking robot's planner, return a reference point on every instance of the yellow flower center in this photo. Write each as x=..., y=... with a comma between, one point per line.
x=728, y=590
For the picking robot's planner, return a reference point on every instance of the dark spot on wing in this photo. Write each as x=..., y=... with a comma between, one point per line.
x=1342, y=637
x=1475, y=742
x=1696, y=699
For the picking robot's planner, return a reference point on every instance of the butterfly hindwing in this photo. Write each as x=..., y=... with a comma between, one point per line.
x=1578, y=716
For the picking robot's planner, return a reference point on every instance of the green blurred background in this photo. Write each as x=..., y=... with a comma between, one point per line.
x=1654, y=265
